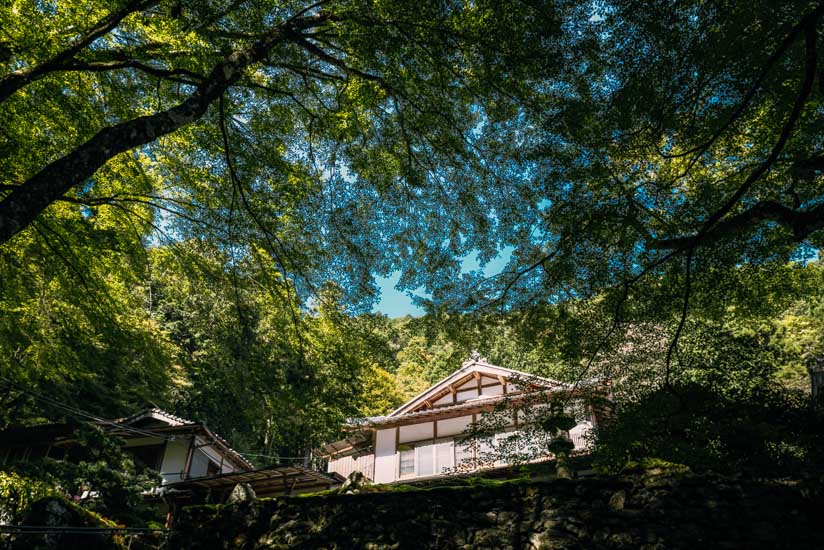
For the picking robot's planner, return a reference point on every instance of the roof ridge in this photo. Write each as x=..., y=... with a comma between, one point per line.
x=475, y=360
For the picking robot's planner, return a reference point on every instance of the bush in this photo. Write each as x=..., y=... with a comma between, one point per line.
x=17, y=494
x=764, y=431
x=95, y=463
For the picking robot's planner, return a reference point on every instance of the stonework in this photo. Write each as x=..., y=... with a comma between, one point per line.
x=649, y=509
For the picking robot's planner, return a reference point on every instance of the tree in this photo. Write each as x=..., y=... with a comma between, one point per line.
x=96, y=463
x=327, y=133
x=686, y=144
x=759, y=432
x=78, y=339
x=602, y=143
x=274, y=379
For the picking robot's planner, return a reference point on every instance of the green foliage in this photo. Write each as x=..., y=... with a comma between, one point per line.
x=94, y=463
x=78, y=340
x=654, y=465
x=764, y=431
x=240, y=338
x=59, y=512
x=640, y=161
x=380, y=395
x=17, y=493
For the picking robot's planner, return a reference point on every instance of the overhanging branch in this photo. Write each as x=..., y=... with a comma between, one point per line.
x=801, y=223
x=24, y=203
x=16, y=80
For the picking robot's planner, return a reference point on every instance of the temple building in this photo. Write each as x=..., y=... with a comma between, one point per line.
x=427, y=436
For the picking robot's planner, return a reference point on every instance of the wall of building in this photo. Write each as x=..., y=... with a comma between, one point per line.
x=174, y=459
x=364, y=464
x=205, y=453
x=433, y=448
x=385, y=459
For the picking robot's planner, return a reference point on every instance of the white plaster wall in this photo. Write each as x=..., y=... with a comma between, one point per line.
x=493, y=390
x=364, y=464
x=200, y=463
x=445, y=400
x=215, y=455
x=496, y=417
x=453, y=426
x=174, y=460
x=416, y=432
x=467, y=394
x=385, y=461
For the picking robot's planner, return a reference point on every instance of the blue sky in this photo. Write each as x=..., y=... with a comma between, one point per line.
x=395, y=303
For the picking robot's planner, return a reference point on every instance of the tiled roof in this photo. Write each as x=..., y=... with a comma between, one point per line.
x=155, y=412
x=177, y=423
x=439, y=411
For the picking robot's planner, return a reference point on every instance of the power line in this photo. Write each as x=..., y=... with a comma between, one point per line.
x=146, y=433
x=81, y=413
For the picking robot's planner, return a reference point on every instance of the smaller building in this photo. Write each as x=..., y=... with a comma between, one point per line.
x=176, y=448
x=426, y=437
x=194, y=463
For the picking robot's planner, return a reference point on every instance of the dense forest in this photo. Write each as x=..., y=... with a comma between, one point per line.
x=196, y=199
x=279, y=378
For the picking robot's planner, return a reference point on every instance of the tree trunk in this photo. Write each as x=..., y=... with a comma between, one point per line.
x=816, y=380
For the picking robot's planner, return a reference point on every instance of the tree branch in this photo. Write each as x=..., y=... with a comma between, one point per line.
x=23, y=204
x=801, y=223
x=806, y=22
x=167, y=74
x=767, y=208
x=21, y=78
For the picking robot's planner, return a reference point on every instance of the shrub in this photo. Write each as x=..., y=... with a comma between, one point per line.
x=763, y=431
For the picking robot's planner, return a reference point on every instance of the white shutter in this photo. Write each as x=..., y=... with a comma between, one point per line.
x=407, y=466
x=443, y=456
x=464, y=459
x=426, y=459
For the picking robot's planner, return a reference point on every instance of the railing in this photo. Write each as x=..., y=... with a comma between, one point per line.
x=348, y=464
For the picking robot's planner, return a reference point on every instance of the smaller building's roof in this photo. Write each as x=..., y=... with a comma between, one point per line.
x=271, y=481
x=351, y=443
x=155, y=414
x=123, y=427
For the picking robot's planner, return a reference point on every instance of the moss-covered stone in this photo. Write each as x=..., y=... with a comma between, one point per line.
x=58, y=515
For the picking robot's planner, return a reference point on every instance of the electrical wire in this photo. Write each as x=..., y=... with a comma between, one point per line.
x=146, y=433
x=275, y=456
x=83, y=414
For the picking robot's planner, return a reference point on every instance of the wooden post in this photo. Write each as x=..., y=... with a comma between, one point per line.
x=189, y=454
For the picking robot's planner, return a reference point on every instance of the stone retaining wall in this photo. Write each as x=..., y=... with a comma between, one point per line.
x=653, y=509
